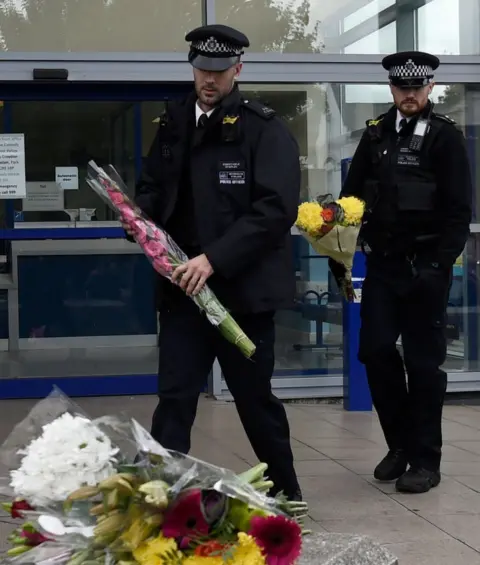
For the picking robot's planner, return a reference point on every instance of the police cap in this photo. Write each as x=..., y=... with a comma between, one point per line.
x=410, y=69
x=215, y=47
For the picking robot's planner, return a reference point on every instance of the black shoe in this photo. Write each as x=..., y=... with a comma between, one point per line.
x=296, y=496
x=417, y=480
x=392, y=466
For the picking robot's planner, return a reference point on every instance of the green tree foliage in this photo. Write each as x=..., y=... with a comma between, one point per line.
x=150, y=25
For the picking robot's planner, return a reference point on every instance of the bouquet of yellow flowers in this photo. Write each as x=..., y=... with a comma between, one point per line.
x=332, y=227
x=101, y=505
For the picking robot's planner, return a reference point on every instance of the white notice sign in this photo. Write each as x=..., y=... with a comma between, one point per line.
x=43, y=196
x=67, y=177
x=12, y=165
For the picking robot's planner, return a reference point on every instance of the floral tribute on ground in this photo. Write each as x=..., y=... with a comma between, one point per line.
x=162, y=252
x=332, y=227
x=118, y=497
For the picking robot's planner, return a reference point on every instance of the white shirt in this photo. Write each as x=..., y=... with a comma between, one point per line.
x=400, y=117
x=199, y=112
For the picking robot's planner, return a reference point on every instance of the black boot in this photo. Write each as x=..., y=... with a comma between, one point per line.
x=293, y=494
x=417, y=480
x=392, y=466
x=296, y=496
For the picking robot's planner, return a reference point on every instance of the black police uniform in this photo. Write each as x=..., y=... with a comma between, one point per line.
x=229, y=189
x=416, y=225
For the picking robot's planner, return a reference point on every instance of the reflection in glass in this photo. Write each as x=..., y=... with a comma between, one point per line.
x=356, y=26
x=463, y=314
x=381, y=41
x=455, y=32
x=365, y=12
x=271, y=25
x=97, y=25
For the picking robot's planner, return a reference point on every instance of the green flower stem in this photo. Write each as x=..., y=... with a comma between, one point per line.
x=254, y=474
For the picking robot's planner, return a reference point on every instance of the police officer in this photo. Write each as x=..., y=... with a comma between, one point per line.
x=223, y=178
x=411, y=168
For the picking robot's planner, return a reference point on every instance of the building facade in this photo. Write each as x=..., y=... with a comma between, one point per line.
x=86, y=79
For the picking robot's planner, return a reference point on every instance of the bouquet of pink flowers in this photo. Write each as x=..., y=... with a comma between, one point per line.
x=162, y=251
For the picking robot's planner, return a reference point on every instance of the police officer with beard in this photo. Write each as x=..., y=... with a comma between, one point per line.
x=223, y=178
x=411, y=168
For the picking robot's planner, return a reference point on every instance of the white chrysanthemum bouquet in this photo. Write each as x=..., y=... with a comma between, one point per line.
x=70, y=442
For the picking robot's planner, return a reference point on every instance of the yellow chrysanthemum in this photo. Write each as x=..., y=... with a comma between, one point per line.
x=203, y=560
x=152, y=551
x=309, y=218
x=247, y=551
x=353, y=208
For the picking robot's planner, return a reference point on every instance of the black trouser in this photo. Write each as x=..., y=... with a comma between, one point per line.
x=189, y=345
x=396, y=302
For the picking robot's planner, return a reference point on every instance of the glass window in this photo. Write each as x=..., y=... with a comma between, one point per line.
x=463, y=310
x=283, y=25
x=150, y=114
x=367, y=11
x=69, y=134
x=3, y=315
x=3, y=225
x=97, y=25
x=381, y=41
x=455, y=32
x=356, y=26
x=71, y=296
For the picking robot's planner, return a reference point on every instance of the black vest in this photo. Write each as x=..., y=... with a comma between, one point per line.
x=401, y=191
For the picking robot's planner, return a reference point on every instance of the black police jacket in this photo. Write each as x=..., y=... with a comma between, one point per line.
x=413, y=197
x=245, y=186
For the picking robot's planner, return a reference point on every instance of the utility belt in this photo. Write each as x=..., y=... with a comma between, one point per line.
x=388, y=246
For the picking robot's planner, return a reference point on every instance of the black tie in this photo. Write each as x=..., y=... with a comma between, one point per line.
x=202, y=121
x=403, y=124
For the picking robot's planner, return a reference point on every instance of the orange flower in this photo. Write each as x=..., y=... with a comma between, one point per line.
x=208, y=548
x=328, y=215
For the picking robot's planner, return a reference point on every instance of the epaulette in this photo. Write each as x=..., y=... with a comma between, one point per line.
x=375, y=121
x=263, y=111
x=444, y=118
x=162, y=119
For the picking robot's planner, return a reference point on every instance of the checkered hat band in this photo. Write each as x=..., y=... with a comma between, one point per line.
x=410, y=70
x=214, y=47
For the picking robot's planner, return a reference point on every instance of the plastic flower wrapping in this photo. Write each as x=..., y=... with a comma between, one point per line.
x=162, y=252
x=332, y=227
x=103, y=491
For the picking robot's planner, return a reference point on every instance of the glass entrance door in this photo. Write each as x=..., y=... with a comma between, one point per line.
x=60, y=139
x=79, y=303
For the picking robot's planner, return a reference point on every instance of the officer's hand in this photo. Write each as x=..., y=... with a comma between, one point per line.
x=127, y=229
x=192, y=275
